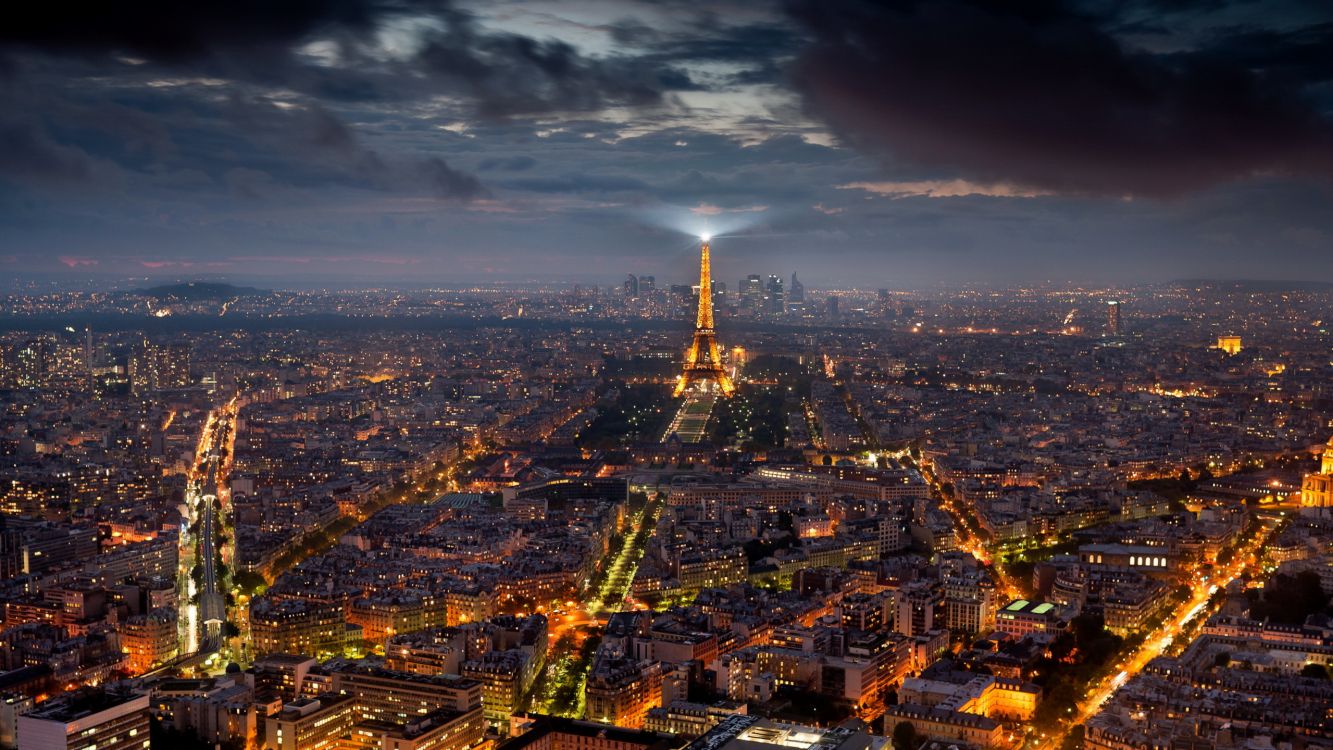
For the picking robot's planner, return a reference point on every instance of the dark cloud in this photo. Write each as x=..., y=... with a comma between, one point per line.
x=519, y=163
x=1299, y=57
x=760, y=50
x=449, y=183
x=27, y=151
x=509, y=74
x=579, y=183
x=1042, y=95
x=309, y=145
x=501, y=74
x=255, y=146
x=169, y=31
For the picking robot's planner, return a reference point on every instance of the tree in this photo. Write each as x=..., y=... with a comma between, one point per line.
x=1289, y=599
x=1317, y=671
x=1222, y=659
x=1073, y=740
x=249, y=581
x=904, y=736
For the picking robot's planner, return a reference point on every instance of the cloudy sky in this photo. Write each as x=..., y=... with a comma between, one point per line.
x=860, y=143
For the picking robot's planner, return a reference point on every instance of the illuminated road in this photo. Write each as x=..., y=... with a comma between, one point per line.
x=967, y=540
x=1160, y=639
x=610, y=597
x=566, y=672
x=207, y=493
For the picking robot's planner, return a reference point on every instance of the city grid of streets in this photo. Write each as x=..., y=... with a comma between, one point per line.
x=841, y=416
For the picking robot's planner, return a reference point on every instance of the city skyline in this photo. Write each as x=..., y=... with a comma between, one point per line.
x=400, y=143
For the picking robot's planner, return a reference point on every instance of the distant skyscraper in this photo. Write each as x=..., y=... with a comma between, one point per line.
x=647, y=284
x=156, y=367
x=88, y=355
x=631, y=286
x=796, y=295
x=141, y=368
x=775, y=297
x=176, y=365
x=833, y=307
x=752, y=291
x=13, y=557
x=31, y=363
x=1113, y=318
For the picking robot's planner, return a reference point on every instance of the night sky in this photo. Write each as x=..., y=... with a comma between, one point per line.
x=353, y=142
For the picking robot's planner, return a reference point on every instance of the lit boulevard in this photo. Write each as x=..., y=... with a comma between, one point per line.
x=207, y=498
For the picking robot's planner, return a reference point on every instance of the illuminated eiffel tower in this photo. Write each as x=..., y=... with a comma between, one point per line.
x=702, y=362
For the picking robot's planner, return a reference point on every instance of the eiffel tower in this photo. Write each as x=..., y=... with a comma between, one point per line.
x=702, y=362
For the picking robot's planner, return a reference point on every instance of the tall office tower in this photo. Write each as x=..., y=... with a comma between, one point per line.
x=833, y=307
x=885, y=304
x=775, y=298
x=1113, y=318
x=751, y=291
x=142, y=371
x=88, y=355
x=176, y=365
x=155, y=367
x=796, y=295
x=31, y=363
x=13, y=556
x=647, y=284
x=631, y=286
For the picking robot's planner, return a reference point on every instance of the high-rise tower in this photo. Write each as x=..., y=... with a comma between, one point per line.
x=702, y=361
